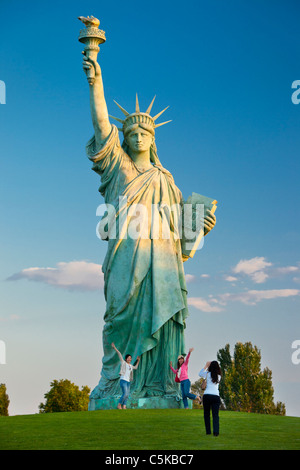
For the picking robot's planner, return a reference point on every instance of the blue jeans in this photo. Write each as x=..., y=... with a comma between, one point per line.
x=125, y=386
x=185, y=391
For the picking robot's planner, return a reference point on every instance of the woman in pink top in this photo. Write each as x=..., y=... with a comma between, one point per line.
x=182, y=377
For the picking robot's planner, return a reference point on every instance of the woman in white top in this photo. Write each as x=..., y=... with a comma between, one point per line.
x=126, y=376
x=211, y=372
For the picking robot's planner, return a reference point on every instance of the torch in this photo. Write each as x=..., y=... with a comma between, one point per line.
x=91, y=36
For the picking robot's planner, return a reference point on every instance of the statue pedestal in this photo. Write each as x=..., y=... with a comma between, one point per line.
x=137, y=403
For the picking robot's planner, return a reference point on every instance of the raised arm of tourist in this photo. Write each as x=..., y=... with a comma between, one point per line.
x=203, y=372
x=118, y=352
x=137, y=363
x=172, y=368
x=188, y=356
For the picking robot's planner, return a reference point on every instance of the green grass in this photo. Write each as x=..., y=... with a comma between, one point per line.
x=148, y=430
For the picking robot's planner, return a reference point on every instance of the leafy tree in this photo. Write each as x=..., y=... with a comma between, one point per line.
x=65, y=396
x=244, y=387
x=4, y=400
x=197, y=390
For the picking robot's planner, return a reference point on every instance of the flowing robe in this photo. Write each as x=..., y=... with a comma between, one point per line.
x=144, y=282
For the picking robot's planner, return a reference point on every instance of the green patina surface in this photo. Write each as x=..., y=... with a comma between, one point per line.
x=140, y=403
x=144, y=281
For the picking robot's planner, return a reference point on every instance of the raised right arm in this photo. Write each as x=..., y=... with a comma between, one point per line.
x=102, y=126
x=118, y=352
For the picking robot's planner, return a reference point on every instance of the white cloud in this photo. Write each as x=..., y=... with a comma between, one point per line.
x=259, y=277
x=251, y=297
x=230, y=278
x=258, y=269
x=201, y=304
x=190, y=277
x=12, y=317
x=250, y=266
x=286, y=270
x=75, y=275
x=254, y=268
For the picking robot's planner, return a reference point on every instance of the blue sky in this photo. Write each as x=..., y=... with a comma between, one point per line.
x=226, y=70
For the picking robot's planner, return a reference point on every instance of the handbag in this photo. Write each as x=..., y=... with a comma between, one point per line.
x=178, y=373
x=204, y=384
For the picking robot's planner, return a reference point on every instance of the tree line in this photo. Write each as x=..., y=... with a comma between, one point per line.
x=243, y=387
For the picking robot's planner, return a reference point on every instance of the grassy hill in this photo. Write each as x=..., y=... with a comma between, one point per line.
x=147, y=430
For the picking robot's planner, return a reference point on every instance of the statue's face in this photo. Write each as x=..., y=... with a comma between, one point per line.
x=139, y=140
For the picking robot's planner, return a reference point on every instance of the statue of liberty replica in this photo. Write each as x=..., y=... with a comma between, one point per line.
x=144, y=281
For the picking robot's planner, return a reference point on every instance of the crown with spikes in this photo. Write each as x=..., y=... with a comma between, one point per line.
x=136, y=119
